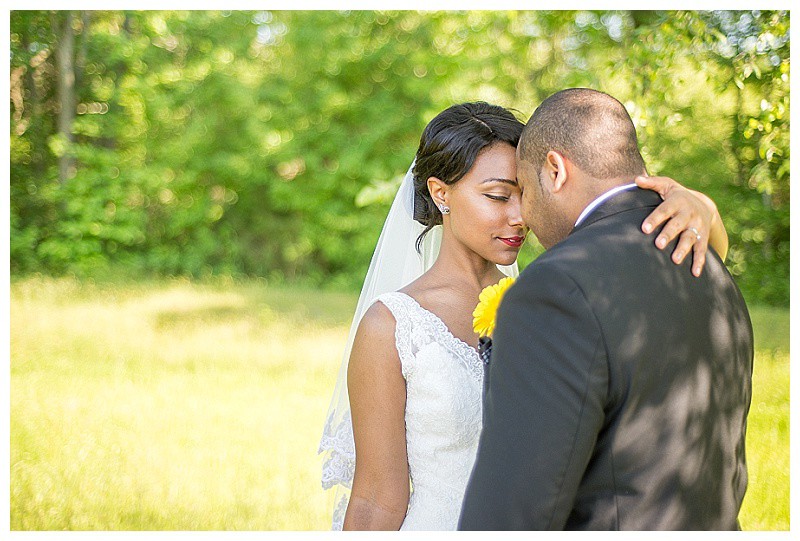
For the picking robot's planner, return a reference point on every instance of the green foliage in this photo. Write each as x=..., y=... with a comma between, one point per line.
x=751, y=50
x=268, y=143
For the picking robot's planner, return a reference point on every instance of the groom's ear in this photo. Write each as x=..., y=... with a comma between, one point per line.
x=438, y=190
x=556, y=171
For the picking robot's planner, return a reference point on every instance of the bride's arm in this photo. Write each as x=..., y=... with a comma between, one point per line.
x=377, y=390
x=681, y=210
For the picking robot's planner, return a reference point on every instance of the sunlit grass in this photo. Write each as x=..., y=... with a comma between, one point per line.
x=174, y=405
x=766, y=504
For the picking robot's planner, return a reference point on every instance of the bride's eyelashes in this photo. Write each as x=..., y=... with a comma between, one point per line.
x=502, y=198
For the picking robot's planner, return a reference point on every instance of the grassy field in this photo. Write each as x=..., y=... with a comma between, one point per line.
x=182, y=406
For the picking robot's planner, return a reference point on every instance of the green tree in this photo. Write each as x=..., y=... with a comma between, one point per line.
x=270, y=143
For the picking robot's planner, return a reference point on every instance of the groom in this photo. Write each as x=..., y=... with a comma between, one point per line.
x=619, y=384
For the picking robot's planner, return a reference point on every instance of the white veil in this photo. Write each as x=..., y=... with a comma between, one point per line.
x=395, y=264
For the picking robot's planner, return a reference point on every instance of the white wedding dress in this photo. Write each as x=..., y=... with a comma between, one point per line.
x=444, y=382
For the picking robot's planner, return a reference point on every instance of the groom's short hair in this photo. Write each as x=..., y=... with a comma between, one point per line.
x=589, y=127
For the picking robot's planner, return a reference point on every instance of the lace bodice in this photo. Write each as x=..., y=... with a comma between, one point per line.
x=444, y=379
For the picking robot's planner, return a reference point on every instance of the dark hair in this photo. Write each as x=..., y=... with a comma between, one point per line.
x=590, y=128
x=449, y=147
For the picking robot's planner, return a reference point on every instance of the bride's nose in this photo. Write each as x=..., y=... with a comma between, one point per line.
x=515, y=216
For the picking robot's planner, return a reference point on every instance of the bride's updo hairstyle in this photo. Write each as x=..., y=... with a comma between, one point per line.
x=449, y=146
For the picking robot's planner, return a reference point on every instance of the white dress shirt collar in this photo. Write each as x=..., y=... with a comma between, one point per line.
x=596, y=203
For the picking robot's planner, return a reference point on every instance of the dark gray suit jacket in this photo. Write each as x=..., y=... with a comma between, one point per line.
x=618, y=389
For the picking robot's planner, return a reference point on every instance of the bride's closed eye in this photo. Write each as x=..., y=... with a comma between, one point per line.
x=494, y=197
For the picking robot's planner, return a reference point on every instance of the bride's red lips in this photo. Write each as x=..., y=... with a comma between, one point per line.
x=514, y=242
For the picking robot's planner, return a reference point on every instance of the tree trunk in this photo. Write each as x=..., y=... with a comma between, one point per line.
x=66, y=92
x=32, y=109
x=742, y=175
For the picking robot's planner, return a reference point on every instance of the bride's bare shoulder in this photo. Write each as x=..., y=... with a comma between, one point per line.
x=374, y=343
x=378, y=319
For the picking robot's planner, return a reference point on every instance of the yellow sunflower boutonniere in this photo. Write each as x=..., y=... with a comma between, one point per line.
x=485, y=314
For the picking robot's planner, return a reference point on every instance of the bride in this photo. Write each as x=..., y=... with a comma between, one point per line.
x=403, y=427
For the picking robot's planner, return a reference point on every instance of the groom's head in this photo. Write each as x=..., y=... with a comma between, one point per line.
x=578, y=144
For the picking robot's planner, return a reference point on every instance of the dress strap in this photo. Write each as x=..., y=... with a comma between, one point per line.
x=402, y=308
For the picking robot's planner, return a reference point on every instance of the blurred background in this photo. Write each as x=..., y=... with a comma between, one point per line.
x=195, y=197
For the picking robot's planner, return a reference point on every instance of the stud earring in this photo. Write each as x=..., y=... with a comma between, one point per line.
x=444, y=209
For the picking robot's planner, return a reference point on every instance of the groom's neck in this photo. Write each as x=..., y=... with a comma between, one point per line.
x=597, y=187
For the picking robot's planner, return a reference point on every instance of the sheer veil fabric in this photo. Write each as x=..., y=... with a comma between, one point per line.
x=395, y=264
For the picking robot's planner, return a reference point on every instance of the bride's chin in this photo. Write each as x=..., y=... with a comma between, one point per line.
x=505, y=259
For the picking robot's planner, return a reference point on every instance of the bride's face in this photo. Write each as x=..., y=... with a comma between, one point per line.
x=485, y=213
